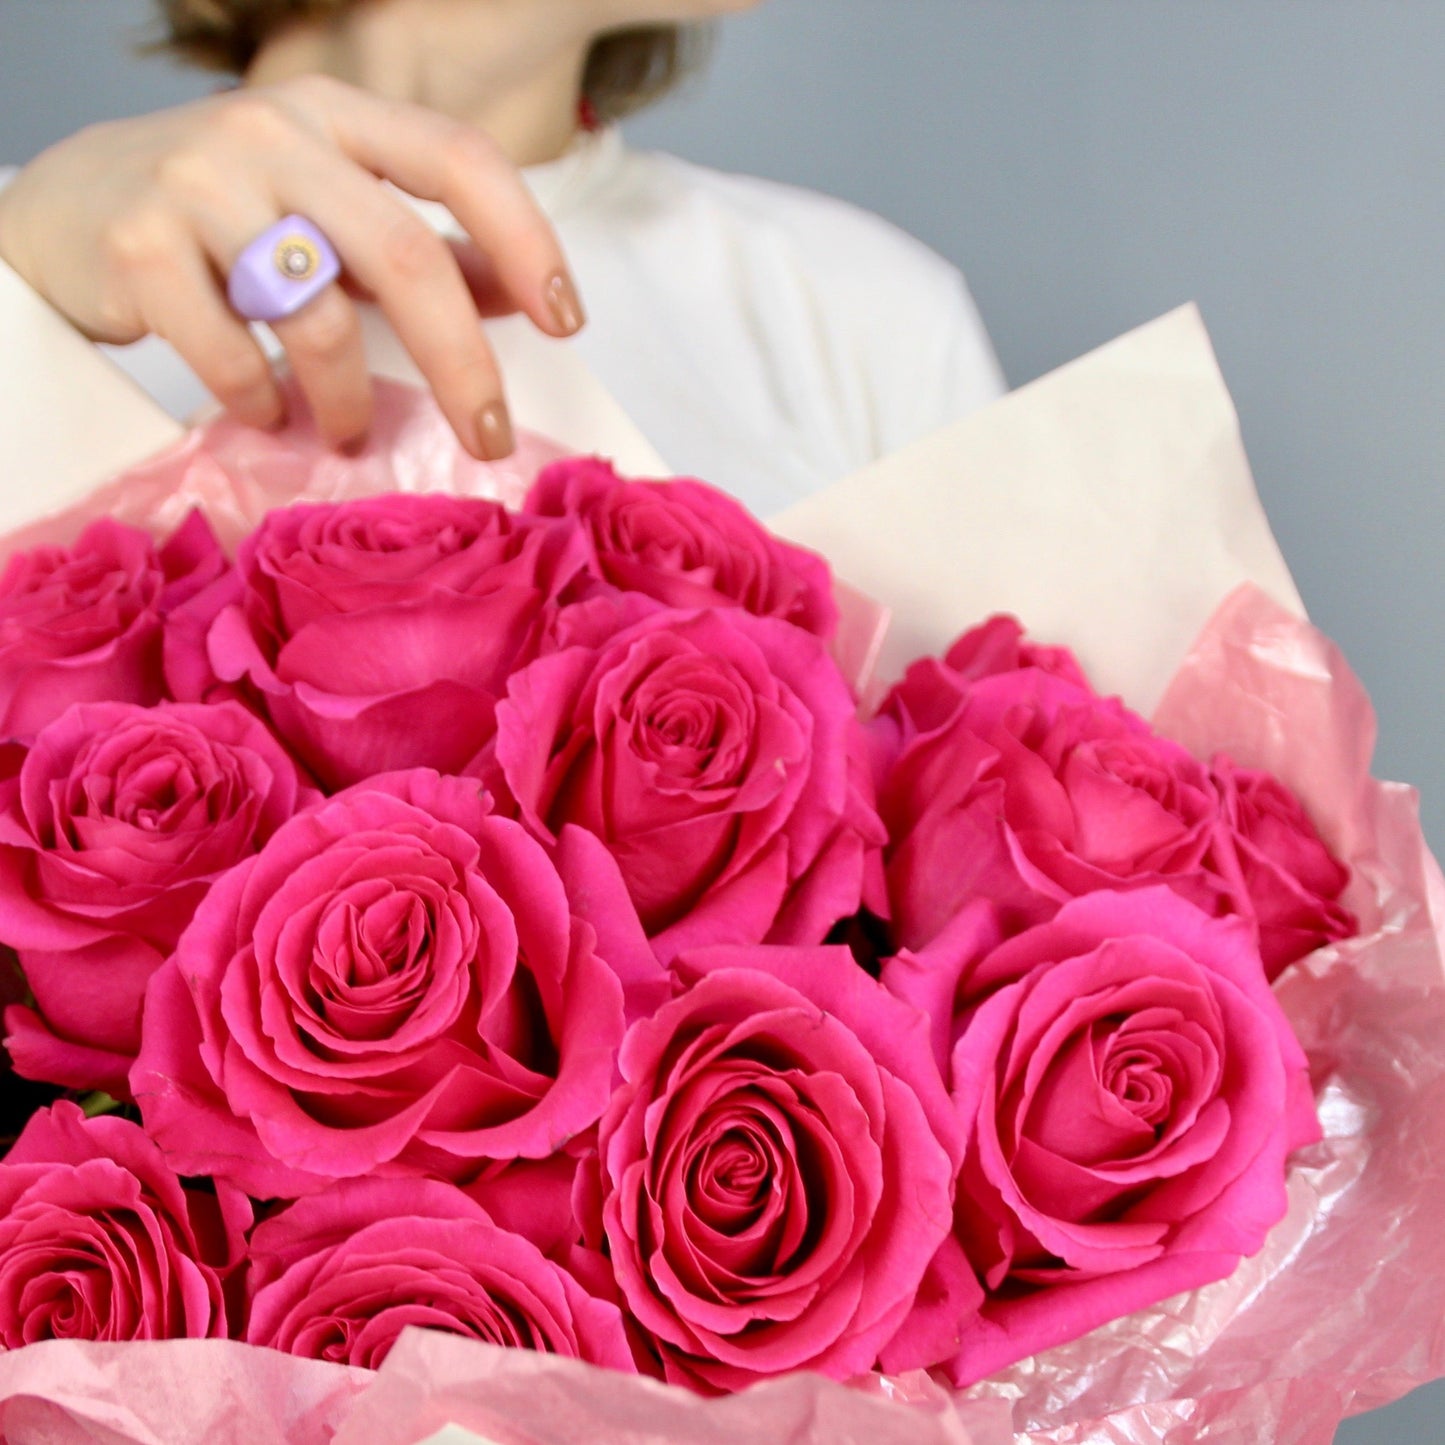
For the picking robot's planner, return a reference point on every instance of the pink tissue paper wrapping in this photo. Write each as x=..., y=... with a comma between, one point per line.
x=1342, y=1311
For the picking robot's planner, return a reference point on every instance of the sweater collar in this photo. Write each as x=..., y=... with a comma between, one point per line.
x=587, y=167
x=561, y=187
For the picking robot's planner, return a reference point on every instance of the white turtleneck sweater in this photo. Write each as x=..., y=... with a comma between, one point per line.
x=765, y=338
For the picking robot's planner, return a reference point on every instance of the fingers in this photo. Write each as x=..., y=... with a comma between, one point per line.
x=439, y=159
x=175, y=292
x=414, y=276
x=228, y=169
x=481, y=280
x=324, y=345
x=323, y=341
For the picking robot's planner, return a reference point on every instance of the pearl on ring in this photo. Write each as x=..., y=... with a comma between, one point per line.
x=296, y=258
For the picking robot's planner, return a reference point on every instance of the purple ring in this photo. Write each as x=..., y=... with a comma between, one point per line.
x=285, y=267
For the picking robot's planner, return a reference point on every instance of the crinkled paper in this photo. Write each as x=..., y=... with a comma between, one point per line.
x=1135, y=522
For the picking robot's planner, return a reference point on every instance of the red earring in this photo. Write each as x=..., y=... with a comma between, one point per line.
x=587, y=116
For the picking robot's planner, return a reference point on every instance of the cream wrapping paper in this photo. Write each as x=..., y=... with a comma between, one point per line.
x=1111, y=506
x=68, y=417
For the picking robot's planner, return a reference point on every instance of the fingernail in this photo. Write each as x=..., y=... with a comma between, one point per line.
x=565, y=304
x=494, y=432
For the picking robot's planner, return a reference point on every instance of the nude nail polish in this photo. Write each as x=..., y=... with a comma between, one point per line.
x=565, y=304
x=494, y=432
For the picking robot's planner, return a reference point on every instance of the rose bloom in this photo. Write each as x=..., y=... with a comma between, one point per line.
x=100, y=1241
x=718, y=757
x=1131, y=1091
x=1285, y=876
x=83, y=623
x=120, y=820
x=1022, y=787
x=377, y=634
x=686, y=544
x=338, y=1277
x=776, y=1171
x=398, y=983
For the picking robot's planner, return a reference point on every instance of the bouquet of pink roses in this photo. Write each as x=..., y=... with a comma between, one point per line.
x=506, y=921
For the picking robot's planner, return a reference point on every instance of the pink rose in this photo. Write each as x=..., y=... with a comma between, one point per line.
x=377, y=634
x=398, y=983
x=100, y=1241
x=718, y=757
x=535, y=1197
x=1024, y=788
x=998, y=646
x=120, y=820
x=1131, y=1091
x=686, y=544
x=1285, y=876
x=83, y=623
x=776, y=1169
x=338, y=1276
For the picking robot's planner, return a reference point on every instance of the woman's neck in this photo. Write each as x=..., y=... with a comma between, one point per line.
x=518, y=81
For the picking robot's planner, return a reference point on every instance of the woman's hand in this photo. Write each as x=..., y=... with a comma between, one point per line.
x=131, y=227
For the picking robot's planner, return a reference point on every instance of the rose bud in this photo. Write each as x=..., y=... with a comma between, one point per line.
x=378, y=634
x=1287, y=880
x=997, y=646
x=398, y=983
x=83, y=623
x=100, y=1241
x=776, y=1172
x=1131, y=1092
x=686, y=544
x=1024, y=788
x=339, y=1275
x=718, y=757
x=120, y=820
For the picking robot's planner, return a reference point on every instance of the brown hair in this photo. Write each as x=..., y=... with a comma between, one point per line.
x=626, y=70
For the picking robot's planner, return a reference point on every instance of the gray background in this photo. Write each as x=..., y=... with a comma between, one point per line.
x=1091, y=164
